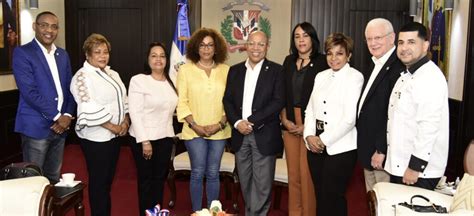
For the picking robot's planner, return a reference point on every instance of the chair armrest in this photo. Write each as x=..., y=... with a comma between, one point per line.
x=26, y=196
x=388, y=194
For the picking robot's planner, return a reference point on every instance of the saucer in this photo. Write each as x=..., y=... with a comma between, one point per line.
x=61, y=183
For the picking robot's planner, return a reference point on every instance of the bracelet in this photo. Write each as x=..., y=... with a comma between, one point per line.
x=222, y=125
x=191, y=124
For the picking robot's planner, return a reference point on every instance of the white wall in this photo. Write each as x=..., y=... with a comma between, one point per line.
x=457, y=55
x=7, y=82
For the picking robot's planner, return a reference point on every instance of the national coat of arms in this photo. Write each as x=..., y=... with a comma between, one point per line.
x=237, y=27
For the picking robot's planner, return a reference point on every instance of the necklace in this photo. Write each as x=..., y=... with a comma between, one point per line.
x=205, y=66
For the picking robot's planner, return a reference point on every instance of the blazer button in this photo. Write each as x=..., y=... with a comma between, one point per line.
x=325, y=123
x=325, y=113
x=324, y=102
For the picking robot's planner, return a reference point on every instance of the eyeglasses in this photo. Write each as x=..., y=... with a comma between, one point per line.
x=259, y=44
x=44, y=26
x=206, y=46
x=377, y=38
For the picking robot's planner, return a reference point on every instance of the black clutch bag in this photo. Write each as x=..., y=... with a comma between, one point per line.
x=433, y=208
x=319, y=127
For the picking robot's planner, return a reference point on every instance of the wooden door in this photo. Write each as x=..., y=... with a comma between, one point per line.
x=123, y=29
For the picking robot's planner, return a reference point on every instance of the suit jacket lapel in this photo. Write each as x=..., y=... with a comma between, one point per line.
x=383, y=72
x=240, y=82
x=43, y=62
x=261, y=78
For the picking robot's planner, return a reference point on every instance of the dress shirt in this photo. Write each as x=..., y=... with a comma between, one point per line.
x=418, y=122
x=201, y=96
x=101, y=97
x=334, y=101
x=379, y=63
x=151, y=104
x=251, y=78
x=51, y=60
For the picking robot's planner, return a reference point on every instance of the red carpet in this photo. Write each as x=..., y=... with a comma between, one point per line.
x=125, y=198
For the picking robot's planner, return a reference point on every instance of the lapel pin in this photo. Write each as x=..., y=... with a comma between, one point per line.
x=388, y=68
x=311, y=65
x=57, y=54
x=266, y=67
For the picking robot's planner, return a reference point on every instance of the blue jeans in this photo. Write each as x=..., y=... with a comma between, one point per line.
x=46, y=153
x=205, y=156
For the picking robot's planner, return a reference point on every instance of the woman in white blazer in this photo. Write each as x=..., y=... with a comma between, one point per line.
x=329, y=129
x=152, y=102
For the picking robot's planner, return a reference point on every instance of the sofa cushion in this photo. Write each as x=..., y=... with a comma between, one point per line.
x=21, y=197
x=464, y=196
x=390, y=194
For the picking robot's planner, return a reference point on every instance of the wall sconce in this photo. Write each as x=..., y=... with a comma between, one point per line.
x=448, y=4
x=413, y=10
x=33, y=4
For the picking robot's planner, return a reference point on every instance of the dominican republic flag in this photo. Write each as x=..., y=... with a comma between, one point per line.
x=180, y=39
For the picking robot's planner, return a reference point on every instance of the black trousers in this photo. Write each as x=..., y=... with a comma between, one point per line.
x=426, y=183
x=101, y=160
x=331, y=175
x=152, y=174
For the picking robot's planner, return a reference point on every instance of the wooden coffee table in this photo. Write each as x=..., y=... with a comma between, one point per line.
x=68, y=198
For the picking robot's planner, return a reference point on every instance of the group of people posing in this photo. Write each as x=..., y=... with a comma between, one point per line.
x=323, y=112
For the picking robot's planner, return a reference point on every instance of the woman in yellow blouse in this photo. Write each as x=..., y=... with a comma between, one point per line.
x=201, y=84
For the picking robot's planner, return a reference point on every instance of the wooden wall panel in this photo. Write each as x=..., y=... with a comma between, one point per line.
x=349, y=17
x=10, y=143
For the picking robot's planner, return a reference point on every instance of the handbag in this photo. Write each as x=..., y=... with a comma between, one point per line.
x=433, y=208
x=20, y=170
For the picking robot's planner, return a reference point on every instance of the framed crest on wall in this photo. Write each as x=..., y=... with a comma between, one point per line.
x=236, y=19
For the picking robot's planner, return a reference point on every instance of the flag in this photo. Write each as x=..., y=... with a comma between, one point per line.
x=180, y=39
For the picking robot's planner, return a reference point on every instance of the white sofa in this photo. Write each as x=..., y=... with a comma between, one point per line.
x=385, y=195
x=26, y=197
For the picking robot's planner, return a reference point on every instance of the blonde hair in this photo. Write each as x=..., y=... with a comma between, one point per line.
x=95, y=40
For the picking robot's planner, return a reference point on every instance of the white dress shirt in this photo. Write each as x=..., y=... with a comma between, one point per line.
x=51, y=60
x=251, y=78
x=377, y=68
x=334, y=101
x=151, y=104
x=418, y=123
x=101, y=97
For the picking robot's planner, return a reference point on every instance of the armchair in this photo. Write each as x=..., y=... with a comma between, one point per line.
x=181, y=165
x=26, y=196
x=280, y=180
x=384, y=195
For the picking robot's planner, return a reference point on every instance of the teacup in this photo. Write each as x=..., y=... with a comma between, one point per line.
x=68, y=178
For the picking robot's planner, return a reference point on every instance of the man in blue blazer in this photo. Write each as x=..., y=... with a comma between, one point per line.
x=43, y=75
x=253, y=99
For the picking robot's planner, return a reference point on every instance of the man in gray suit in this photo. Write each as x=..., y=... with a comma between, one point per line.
x=253, y=99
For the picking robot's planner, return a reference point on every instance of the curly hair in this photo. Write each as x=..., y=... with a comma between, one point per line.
x=220, y=45
x=341, y=39
x=95, y=40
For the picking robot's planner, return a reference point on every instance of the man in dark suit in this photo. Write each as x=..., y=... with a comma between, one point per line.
x=253, y=99
x=373, y=103
x=43, y=74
